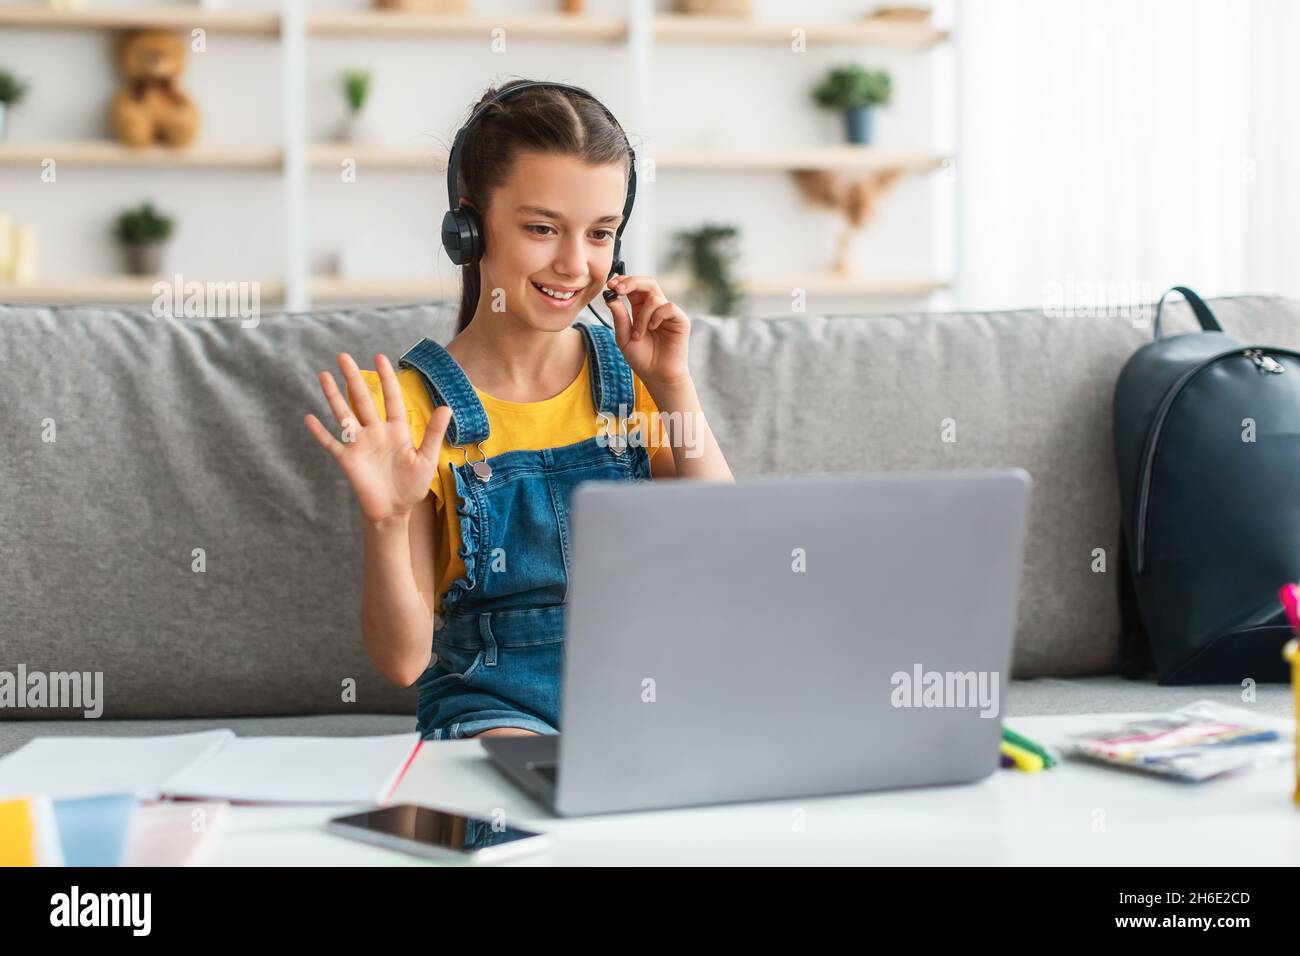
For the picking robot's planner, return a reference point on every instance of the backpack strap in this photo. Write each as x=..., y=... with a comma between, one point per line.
x=1203, y=314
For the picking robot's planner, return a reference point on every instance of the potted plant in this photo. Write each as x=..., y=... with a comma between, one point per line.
x=709, y=253
x=12, y=91
x=854, y=91
x=356, y=87
x=143, y=233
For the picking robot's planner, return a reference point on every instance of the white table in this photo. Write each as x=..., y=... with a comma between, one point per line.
x=1075, y=814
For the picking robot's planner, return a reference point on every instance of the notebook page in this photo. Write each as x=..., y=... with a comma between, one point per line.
x=298, y=769
x=66, y=767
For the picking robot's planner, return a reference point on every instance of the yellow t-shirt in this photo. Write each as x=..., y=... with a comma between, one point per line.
x=563, y=419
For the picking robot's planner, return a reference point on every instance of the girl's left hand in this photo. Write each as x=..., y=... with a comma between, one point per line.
x=654, y=338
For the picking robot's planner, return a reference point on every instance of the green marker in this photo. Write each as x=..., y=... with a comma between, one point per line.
x=1011, y=736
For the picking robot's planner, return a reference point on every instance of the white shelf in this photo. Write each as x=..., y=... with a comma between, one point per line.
x=33, y=15
x=110, y=153
x=109, y=289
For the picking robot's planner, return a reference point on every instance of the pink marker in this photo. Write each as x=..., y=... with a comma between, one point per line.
x=1290, y=595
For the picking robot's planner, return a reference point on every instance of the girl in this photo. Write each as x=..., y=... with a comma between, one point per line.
x=467, y=538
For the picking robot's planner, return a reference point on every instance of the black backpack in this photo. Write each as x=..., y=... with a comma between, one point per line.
x=1207, y=444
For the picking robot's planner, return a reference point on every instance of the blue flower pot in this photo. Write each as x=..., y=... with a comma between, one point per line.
x=857, y=123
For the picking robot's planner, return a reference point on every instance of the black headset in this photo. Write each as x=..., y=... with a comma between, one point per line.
x=462, y=231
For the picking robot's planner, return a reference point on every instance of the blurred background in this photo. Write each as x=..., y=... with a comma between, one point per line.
x=833, y=156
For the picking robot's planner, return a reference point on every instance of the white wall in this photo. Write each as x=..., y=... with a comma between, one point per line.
x=1119, y=144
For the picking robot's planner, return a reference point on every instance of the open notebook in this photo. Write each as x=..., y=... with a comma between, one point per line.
x=214, y=764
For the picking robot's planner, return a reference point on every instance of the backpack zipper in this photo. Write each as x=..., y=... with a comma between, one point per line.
x=1263, y=362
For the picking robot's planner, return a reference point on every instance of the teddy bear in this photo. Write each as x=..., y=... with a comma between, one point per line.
x=149, y=108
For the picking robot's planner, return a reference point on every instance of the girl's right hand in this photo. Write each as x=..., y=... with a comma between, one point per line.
x=389, y=475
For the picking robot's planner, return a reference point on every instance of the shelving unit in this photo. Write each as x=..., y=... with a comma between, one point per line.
x=294, y=27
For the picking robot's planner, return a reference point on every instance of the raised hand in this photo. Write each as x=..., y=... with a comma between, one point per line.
x=388, y=474
x=653, y=336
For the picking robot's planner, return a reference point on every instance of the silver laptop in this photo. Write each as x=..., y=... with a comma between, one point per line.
x=780, y=637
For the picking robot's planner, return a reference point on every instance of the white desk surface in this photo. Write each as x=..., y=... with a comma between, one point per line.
x=1076, y=814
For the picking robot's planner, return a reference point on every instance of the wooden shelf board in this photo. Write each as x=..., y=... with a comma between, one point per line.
x=830, y=285
x=332, y=287
x=107, y=289
x=666, y=27
x=833, y=156
x=385, y=157
x=397, y=24
x=110, y=153
x=32, y=15
x=700, y=29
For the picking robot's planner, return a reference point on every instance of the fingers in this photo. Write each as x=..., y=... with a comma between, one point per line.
x=431, y=441
x=626, y=285
x=343, y=413
x=393, y=403
x=622, y=322
x=323, y=436
x=367, y=414
x=645, y=296
x=667, y=312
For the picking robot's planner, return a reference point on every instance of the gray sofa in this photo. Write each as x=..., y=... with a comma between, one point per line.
x=179, y=440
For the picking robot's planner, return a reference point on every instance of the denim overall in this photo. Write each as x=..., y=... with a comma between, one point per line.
x=498, y=647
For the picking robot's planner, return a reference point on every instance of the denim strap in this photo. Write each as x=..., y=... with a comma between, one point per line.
x=611, y=377
x=448, y=385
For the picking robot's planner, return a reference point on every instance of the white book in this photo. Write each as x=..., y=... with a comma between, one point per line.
x=214, y=764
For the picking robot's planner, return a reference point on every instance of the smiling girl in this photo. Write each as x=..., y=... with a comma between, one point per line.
x=465, y=460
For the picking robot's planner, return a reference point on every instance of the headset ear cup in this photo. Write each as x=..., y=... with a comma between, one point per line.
x=474, y=236
x=461, y=237
x=451, y=237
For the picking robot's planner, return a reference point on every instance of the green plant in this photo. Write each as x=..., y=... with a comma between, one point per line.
x=709, y=252
x=848, y=87
x=12, y=89
x=356, y=85
x=143, y=225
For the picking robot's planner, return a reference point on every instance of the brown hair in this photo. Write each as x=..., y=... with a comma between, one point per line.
x=541, y=119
